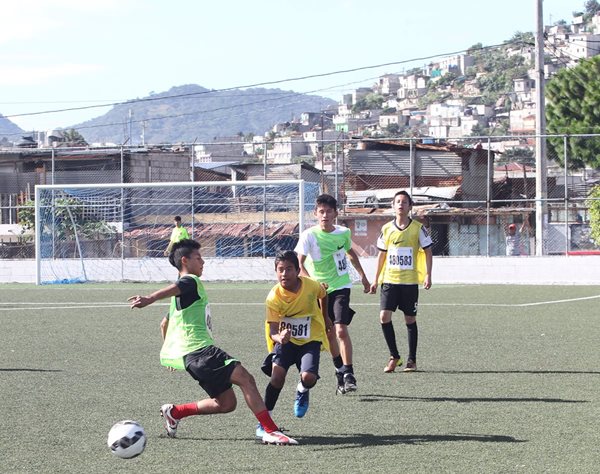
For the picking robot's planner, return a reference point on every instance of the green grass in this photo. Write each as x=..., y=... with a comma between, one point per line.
x=503, y=385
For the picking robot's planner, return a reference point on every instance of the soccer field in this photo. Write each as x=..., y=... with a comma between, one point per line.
x=508, y=381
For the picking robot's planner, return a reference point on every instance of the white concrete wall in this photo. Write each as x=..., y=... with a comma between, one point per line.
x=573, y=270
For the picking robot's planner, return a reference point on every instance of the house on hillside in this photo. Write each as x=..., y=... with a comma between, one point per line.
x=286, y=148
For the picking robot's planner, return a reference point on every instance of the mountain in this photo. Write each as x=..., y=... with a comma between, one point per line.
x=192, y=113
x=9, y=131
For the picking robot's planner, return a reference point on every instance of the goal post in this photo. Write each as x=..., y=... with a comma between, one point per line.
x=119, y=232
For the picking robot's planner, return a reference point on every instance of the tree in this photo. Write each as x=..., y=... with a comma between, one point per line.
x=73, y=138
x=392, y=129
x=591, y=8
x=371, y=101
x=524, y=156
x=572, y=99
x=594, y=206
x=69, y=218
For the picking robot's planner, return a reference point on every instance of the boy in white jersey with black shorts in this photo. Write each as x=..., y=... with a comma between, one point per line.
x=188, y=345
x=398, y=271
x=328, y=245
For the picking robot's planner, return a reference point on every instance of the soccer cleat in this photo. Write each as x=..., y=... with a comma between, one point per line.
x=170, y=422
x=392, y=364
x=340, y=383
x=260, y=431
x=277, y=437
x=411, y=366
x=349, y=382
x=301, y=404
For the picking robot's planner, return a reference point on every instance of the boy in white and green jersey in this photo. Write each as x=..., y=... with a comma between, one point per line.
x=189, y=345
x=329, y=246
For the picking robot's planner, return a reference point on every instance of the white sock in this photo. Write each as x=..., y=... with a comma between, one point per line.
x=301, y=388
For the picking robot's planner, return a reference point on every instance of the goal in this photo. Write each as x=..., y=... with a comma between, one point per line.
x=119, y=232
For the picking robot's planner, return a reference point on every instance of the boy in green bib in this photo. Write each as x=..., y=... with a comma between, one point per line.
x=188, y=345
x=178, y=233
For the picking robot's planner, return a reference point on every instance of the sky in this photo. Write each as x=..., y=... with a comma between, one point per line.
x=60, y=54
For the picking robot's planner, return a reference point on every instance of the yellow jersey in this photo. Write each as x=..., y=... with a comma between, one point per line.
x=299, y=312
x=405, y=259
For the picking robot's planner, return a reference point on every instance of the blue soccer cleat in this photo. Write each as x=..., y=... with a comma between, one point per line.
x=301, y=404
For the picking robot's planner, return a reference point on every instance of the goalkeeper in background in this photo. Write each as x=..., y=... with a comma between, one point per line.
x=178, y=233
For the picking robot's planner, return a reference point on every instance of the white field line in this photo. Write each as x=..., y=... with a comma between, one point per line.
x=21, y=306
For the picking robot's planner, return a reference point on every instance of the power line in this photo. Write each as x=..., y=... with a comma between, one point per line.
x=259, y=84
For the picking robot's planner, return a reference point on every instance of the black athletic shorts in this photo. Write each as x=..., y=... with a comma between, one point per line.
x=402, y=297
x=209, y=367
x=306, y=356
x=338, y=306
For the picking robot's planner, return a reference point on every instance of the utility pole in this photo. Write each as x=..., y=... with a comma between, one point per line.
x=130, y=120
x=541, y=184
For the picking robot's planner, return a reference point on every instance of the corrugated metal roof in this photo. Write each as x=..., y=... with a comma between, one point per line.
x=397, y=163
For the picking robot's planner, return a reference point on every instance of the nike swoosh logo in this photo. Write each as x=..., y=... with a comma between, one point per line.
x=340, y=247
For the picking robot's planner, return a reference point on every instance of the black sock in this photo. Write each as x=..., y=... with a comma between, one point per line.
x=338, y=363
x=413, y=337
x=348, y=369
x=271, y=396
x=390, y=339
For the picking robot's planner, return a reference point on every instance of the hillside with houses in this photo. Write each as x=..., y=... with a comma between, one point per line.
x=456, y=132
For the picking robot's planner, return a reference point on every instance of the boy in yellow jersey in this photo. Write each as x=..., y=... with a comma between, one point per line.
x=329, y=246
x=399, y=244
x=178, y=233
x=188, y=345
x=297, y=329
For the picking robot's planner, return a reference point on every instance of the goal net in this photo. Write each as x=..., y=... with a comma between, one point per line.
x=120, y=232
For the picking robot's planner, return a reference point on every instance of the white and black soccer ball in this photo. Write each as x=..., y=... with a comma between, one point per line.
x=126, y=439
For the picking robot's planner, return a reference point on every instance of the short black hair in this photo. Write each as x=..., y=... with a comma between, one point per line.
x=327, y=200
x=183, y=248
x=403, y=193
x=287, y=256
x=177, y=218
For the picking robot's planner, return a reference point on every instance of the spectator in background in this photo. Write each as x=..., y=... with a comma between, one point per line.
x=514, y=245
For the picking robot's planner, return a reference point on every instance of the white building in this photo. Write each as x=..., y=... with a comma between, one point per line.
x=286, y=148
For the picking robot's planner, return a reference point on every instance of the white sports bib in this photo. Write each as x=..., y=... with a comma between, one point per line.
x=341, y=263
x=299, y=327
x=401, y=257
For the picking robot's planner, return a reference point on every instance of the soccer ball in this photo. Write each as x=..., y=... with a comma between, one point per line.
x=126, y=439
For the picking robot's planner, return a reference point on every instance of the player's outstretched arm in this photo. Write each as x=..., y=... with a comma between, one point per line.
x=139, y=301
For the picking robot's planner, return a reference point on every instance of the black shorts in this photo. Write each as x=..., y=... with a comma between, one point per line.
x=210, y=368
x=338, y=306
x=402, y=297
x=306, y=356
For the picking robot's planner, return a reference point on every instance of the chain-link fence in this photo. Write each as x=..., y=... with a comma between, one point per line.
x=477, y=196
